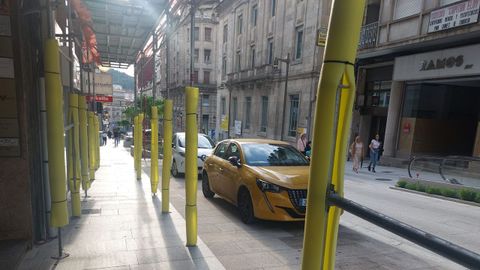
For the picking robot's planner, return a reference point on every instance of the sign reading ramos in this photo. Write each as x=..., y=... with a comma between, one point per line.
x=103, y=83
x=454, y=15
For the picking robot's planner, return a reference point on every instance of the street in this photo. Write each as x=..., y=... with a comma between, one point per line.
x=361, y=245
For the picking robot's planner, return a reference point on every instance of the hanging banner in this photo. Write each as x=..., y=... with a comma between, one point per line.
x=455, y=15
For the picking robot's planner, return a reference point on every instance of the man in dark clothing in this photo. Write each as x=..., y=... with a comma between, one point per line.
x=116, y=136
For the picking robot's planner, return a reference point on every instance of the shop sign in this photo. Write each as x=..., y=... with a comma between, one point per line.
x=460, y=61
x=100, y=98
x=455, y=15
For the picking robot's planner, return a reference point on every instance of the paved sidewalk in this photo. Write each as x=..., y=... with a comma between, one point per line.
x=124, y=228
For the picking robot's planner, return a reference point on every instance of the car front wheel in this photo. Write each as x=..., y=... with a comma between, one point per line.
x=207, y=192
x=175, y=169
x=245, y=206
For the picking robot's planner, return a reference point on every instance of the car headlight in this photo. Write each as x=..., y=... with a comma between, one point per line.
x=267, y=186
x=203, y=157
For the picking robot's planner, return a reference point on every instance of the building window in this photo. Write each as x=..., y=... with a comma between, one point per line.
x=225, y=33
x=293, y=119
x=206, y=77
x=240, y=24
x=273, y=6
x=234, y=109
x=254, y=15
x=263, y=117
x=270, y=51
x=196, y=34
x=248, y=108
x=224, y=66
x=299, y=43
x=223, y=105
x=252, y=57
x=205, y=100
x=238, y=63
x=188, y=34
x=195, y=55
x=405, y=8
x=206, y=56
x=208, y=34
x=378, y=93
x=195, y=76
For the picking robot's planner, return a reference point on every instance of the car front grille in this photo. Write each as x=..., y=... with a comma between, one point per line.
x=296, y=195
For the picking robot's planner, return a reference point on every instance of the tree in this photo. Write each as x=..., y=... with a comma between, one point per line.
x=144, y=105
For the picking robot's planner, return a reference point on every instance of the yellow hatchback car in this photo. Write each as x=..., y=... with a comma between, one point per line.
x=265, y=179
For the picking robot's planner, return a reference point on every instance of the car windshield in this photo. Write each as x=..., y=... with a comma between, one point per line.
x=203, y=141
x=272, y=155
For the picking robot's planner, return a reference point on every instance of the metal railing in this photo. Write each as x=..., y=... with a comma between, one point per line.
x=431, y=242
x=368, y=36
x=464, y=166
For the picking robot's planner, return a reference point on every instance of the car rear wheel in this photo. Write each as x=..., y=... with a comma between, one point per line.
x=207, y=192
x=175, y=169
x=245, y=206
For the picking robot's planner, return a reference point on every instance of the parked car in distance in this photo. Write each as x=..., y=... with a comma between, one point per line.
x=265, y=179
x=205, y=148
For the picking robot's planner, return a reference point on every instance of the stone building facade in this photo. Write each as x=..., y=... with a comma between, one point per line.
x=251, y=83
x=179, y=68
x=419, y=78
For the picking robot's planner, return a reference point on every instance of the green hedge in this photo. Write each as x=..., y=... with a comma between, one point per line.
x=463, y=194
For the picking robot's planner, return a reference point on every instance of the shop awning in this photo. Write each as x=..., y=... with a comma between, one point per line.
x=122, y=28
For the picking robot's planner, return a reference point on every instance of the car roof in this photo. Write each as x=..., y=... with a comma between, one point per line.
x=262, y=141
x=183, y=133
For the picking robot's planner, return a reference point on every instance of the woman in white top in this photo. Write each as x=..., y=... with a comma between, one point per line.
x=356, y=149
x=374, y=151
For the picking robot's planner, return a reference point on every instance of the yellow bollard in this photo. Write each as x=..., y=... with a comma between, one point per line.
x=340, y=52
x=55, y=131
x=191, y=170
x=91, y=145
x=167, y=153
x=135, y=143
x=73, y=155
x=139, y=147
x=154, y=151
x=82, y=104
x=97, y=145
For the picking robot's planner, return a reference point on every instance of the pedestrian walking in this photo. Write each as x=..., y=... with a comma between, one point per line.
x=374, y=152
x=116, y=136
x=357, y=152
x=104, y=138
x=302, y=143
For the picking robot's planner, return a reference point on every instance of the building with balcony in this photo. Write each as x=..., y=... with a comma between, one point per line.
x=251, y=94
x=178, y=68
x=419, y=78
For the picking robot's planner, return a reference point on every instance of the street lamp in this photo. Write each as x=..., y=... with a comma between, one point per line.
x=287, y=61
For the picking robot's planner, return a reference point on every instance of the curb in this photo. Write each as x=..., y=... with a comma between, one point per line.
x=436, y=196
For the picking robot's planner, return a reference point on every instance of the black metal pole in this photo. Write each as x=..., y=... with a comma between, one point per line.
x=431, y=242
x=285, y=97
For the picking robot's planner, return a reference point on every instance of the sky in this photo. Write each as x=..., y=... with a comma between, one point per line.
x=128, y=71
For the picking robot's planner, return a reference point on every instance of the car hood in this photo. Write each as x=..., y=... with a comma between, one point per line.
x=293, y=177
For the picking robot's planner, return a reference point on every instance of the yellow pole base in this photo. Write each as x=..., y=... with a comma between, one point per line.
x=191, y=217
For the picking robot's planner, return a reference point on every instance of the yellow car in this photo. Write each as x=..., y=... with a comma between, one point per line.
x=265, y=179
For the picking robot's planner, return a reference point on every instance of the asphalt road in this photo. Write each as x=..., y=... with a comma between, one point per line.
x=361, y=245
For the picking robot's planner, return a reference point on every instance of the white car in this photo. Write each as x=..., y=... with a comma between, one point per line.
x=205, y=148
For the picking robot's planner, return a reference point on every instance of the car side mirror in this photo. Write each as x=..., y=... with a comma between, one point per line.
x=235, y=161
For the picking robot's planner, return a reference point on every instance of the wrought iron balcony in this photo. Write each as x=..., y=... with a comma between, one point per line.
x=368, y=36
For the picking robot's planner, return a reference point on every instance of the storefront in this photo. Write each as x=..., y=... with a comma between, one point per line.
x=440, y=112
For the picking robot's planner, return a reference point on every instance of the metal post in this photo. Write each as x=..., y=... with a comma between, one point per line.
x=154, y=83
x=229, y=109
x=135, y=84
x=192, y=37
x=93, y=88
x=61, y=254
x=285, y=95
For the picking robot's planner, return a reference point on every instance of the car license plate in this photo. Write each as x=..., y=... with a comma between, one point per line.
x=303, y=202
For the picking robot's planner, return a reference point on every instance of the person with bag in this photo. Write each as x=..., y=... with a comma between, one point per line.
x=374, y=152
x=357, y=152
